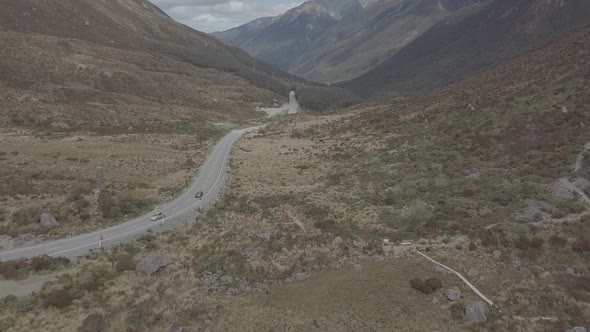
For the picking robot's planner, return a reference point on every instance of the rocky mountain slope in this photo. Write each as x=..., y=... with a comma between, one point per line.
x=356, y=45
x=279, y=41
x=358, y=39
x=472, y=41
x=243, y=33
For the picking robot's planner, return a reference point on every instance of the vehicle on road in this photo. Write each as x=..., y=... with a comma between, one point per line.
x=158, y=216
x=199, y=194
x=407, y=243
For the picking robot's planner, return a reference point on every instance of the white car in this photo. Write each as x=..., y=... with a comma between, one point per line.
x=158, y=216
x=407, y=243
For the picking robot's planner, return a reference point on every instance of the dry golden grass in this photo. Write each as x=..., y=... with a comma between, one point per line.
x=55, y=174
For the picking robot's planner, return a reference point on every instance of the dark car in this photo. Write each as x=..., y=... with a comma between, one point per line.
x=199, y=194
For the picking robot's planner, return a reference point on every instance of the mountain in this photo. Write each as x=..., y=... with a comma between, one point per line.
x=354, y=46
x=339, y=9
x=280, y=40
x=239, y=35
x=470, y=42
x=97, y=63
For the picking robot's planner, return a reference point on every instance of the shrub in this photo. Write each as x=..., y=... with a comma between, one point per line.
x=26, y=216
x=94, y=322
x=11, y=269
x=581, y=245
x=557, y=241
x=427, y=286
x=125, y=263
x=58, y=298
x=8, y=301
x=45, y=262
x=25, y=305
x=418, y=212
x=537, y=242
x=472, y=246
x=457, y=311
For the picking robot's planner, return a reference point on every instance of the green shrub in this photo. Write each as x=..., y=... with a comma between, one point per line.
x=418, y=212
x=46, y=262
x=125, y=263
x=8, y=302
x=427, y=286
x=25, y=305
x=457, y=311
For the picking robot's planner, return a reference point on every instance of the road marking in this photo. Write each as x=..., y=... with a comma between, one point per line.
x=54, y=248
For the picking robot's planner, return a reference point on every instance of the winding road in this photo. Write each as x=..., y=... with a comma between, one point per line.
x=185, y=209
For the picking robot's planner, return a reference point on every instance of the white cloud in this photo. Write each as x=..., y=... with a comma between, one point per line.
x=216, y=15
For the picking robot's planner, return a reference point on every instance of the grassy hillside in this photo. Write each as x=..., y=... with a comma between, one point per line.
x=468, y=172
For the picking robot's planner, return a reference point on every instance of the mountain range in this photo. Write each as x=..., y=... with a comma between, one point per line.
x=74, y=61
x=331, y=41
x=388, y=47
x=472, y=41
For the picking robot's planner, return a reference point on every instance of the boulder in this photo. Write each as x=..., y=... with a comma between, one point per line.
x=298, y=133
x=434, y=300
x=253, y=253
x=577, y=329
x=48, y=221
x=358, y=267
x=59, y=125
x=473, y=272
x=378, y=258
x=561, y=192
x=477, y=312
x=358, y=244
x=255, y=206
x=152, y=264
x=452, y=294
x=517, y=263
x=337, y=241
x=497, y=254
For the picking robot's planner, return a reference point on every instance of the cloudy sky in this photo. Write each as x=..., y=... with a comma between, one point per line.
x=217, y=15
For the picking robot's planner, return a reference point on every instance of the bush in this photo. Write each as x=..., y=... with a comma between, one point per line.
x=45, y=262
x=26, y=216
x=58, y=298
x=557, y=241
x=417, y=213
x=8, y=301
x=93, y=323
x=581, y=245
x=25, y=305
x=11, y=269
x=457, y=311
x=427, y=286
x=125, y=263
x=524, y=243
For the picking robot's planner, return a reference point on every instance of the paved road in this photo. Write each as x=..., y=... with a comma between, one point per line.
x=184, y=209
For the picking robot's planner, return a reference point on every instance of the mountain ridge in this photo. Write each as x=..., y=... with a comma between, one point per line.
x=470, y=42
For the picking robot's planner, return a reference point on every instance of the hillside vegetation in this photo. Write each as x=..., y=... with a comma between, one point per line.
x=469, y=172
